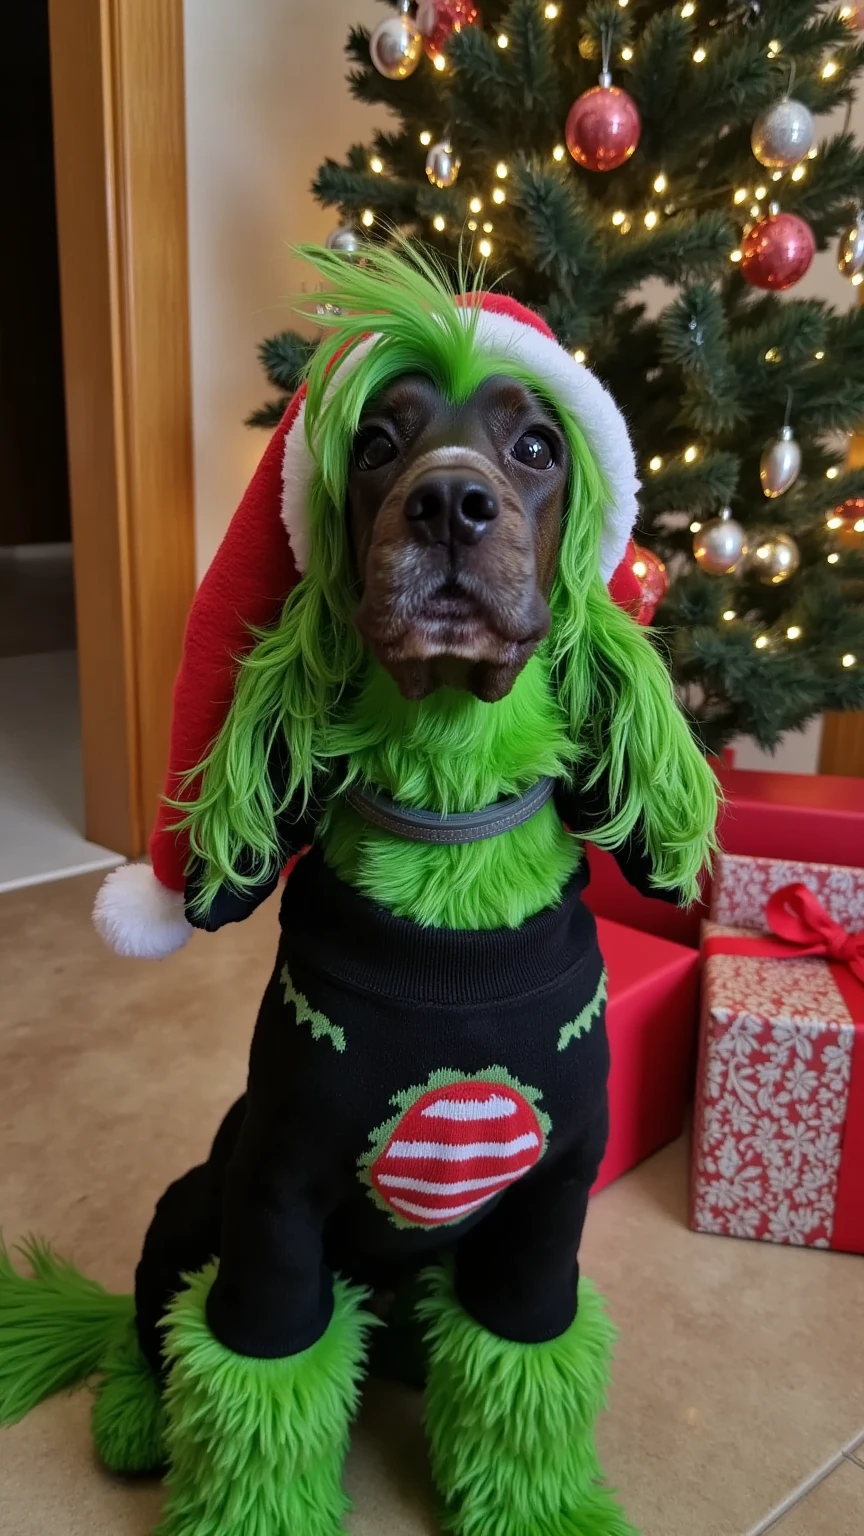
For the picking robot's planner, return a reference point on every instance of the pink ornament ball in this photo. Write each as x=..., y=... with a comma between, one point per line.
x=602, y=128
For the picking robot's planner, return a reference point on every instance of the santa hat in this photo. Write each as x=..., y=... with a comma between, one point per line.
x=140, y=908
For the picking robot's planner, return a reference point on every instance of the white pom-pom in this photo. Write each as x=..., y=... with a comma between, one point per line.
x=135, y=915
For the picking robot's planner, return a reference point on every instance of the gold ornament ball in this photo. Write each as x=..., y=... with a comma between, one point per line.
x=396, y=47
x=774, y=559
x=442, y=166
x=720, y=545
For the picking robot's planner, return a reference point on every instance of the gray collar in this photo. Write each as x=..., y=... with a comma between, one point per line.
x=464, y=827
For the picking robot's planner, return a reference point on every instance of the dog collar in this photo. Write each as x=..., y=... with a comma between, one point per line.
x=463, y=827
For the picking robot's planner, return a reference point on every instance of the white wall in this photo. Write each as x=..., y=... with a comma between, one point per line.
x=266, y=100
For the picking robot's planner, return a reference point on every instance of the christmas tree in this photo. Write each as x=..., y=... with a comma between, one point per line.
x=695, y=159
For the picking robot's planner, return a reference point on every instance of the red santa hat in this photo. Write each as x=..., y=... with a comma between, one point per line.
x=140, y=910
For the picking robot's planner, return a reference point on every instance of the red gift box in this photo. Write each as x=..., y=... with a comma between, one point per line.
x=609, y=896
x=803, y=816
x=651, y=1021
x=778, y=1135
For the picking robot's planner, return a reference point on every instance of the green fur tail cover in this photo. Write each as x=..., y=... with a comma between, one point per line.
x=128, y=1412
x=511, y=1426
x=258, y=1445
x=55, y=1326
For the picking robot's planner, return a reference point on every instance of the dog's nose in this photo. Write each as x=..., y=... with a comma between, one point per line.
x=451, y=506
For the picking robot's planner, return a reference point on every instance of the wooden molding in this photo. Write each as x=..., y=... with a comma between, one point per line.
x=120, y=166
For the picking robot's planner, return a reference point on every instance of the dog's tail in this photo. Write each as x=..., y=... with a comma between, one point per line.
x=55, y=1328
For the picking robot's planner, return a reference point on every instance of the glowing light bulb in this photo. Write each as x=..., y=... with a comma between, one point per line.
x=488, y=227
x=776, y=175
x=476, y=204
x=619, y=216
x=832, y=473
x=440, y=62
x=761, y=192
x=627, y=53
x=579, y=355
x=376, y=165
x=832, y=559
x=773, y=355
x=438, y=222
x=740, y=195
x=655, y=463
x=859, y=525
x=558, y=152
x=755, y=211
x=848, y=660
x=799, y=173
x=688, y=10
x=760, y=642
x=425, y=137
x=691, y=453
x=660, y=183
x=829, y=69
x=774, y=47
x=834, y=522
x=730, y=614
x=503, y=40
x=501, y=170
x=736, y=255
x=793, y=632
x=623, y=4
x=551, y=12
x=858, y=279
x=367, y=217
x=694, y=527
x=818, y=356
x=812, y=153
x=847, y=12
x=499, y=195
x=485, y=248
x=472, y=225
x=700, y=56
x=651, y=218
x=639, y=568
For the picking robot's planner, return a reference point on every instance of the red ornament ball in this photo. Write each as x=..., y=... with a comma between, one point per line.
x=846, y=523
x=776, y=251
x=640, y=583
x=439, y=19
x=602, y=128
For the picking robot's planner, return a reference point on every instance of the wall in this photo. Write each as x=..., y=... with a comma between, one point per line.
x=266, y=101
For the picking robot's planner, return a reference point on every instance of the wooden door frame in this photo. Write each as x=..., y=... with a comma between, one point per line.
x=120, y=163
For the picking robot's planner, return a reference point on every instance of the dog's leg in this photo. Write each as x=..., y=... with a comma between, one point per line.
x=265, y=1356
x=519, y=1350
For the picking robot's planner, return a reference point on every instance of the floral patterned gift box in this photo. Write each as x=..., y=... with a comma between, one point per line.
x=778, y=1139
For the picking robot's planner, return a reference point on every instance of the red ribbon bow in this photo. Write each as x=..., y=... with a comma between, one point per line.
x=798, y=917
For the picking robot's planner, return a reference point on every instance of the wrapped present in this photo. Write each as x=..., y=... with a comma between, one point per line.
x=778, y=1135
x=801, y=816
x=651, y=1018
x=609, y=896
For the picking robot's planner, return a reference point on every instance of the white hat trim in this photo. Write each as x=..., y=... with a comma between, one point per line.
x=136, y=915
x=570, y=383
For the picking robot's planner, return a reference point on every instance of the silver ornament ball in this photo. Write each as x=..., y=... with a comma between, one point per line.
x=774, y=559
x=850, y=252
x=782, y=134
x=442, y=166
x=780, y=464
x=396, y=47
x=344, y=239
x=719, y=545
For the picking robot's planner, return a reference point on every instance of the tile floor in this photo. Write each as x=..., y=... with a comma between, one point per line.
x=738, y=1400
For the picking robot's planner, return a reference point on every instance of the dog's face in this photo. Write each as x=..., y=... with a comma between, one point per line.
x=455, y=518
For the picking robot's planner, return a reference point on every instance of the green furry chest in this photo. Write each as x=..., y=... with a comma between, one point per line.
x=493, y=884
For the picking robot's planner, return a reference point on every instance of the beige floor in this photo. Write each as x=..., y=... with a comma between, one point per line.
x=738, y=1404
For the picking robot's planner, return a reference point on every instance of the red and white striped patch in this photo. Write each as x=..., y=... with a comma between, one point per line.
x=454, y=1149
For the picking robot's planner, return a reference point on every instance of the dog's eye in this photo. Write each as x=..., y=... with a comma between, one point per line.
x=535, y=450
x=373, y=449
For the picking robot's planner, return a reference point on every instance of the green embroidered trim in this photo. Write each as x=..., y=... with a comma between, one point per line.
x=583, y=1021
x=319, y=1022
x=444, y=1077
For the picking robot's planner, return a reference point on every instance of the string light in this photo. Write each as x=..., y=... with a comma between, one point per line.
x=651, y=218
x=551, y=12
x=858, y=279
x=579, y=355
x=761, y=192
x=691, y=453
x=368, y=217
x=818, y=356
x=740, y=195
x=660, y=183
x=694, y=527
x=503, y=40
x=425, y=137
x=440, y=62
x=773, y=355
x=834, y=522
x=847, y=12
x=558, y=152
x=700, y=56
x=832, y=473
x=624, y=229
x=793, y=632
x=688, y=10
x=627, y=53
x=472, y=225
x=485, y=248
x=848, y=660
x=499, y=195
x=438, y=222
x=376, y=165
x=859, y=525
x=736, y=255
x=812, y=153
x=488, y=227
x=829, y=68
x=639, y=568
x=755, y=211
x=774, y=47
x=501, y=170
x=729, y=615
x=760, y=642
x=776, y=175
x=832, y=559
x=618, y=216
x=655, y=463
x=799, y=173
x=623, y=4
x=476, y=205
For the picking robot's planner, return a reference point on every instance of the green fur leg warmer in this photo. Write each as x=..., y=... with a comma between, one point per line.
x=511, y=1426
x=55, y=1327
x=256, y=1447
x=128, y=1412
